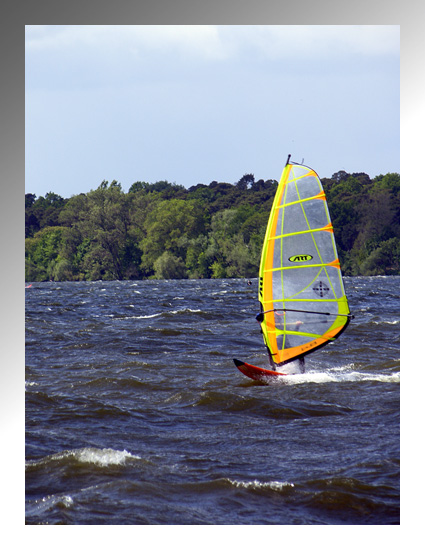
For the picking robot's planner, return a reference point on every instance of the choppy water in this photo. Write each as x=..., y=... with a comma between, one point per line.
x=135, y=413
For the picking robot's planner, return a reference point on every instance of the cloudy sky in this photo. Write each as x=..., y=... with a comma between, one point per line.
x=194, y=104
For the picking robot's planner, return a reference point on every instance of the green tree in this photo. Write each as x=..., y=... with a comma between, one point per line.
x=232, y=253
x=198, y=264
x=169, y=227
x=168, y=266
x=384, y=260
x=213, y=230
x=42, y=252
x=245, y=181
x=42, y=212
x=99, y=228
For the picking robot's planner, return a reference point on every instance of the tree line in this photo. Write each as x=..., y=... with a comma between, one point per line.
x=166, y=231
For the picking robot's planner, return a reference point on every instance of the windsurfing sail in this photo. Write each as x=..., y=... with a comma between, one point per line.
x=301, y=292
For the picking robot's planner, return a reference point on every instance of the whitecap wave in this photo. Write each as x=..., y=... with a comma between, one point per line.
x=185, y=310
x=145, y=316
x=103, y=457
x=336, y=376
x=380, y=322
x=274, y=485
x=88, y=455
x=153, y=315
x=52, y=501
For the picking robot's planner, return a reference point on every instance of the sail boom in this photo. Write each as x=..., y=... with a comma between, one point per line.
x=305, y=311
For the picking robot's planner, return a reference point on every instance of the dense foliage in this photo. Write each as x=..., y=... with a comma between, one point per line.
x=163, y=230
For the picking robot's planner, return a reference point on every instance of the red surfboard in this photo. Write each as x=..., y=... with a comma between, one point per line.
x=257, y=373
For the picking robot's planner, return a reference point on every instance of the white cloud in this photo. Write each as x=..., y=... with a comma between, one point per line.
x=193, y=40
x=194, y=103
x=219, y=42
x=291, y=41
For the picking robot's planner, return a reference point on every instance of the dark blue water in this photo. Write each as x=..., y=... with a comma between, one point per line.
x=136, y=414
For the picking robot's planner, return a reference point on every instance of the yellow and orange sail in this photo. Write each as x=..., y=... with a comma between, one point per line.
x=301, y=292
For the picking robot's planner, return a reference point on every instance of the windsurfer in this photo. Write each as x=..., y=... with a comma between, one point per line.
x=302, y=364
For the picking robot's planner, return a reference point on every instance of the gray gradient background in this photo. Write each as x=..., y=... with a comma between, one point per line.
x=410, y=15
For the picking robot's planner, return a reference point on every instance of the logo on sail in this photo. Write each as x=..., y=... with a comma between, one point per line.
x=321, y=289
x=300, y=258
x=261, y=287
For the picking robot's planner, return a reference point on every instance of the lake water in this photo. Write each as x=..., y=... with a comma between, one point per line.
x=136, y=414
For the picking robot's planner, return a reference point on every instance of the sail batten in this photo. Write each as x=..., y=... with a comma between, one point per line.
x=300, y=267
x=326, y=228
x=331, y=264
